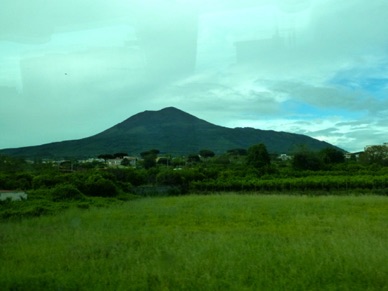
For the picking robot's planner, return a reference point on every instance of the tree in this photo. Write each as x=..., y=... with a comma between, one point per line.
x=163, y=161
x=237, y=152
x=206, y=153
x=11, y=164
x=63, y=192
x=153, y=152
x=332, y=156
x=149, y=161
x=106, y=157
x=306, y=160
x=222, y=160
x=377, y=154
x=96, y=185
x=125, y=162
x=258, y=156
x=149, y=158
x=193, y=158
x=170, y=178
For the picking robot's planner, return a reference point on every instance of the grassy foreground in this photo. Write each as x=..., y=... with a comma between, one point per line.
x=216, y=242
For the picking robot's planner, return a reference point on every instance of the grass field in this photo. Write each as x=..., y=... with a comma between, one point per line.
x=215, y=242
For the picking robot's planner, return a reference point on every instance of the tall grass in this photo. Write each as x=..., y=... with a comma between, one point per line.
x=216, y=242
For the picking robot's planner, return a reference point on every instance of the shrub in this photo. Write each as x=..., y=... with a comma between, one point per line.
x=99, y=186
x=66, y=192
x=135, y=177
x=46, y=181
x=170, y=178
x=306, y=160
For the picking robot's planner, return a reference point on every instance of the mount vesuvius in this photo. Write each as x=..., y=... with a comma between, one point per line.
x=169, y=130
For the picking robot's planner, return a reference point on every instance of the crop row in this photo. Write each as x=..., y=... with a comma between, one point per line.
x=326, y=183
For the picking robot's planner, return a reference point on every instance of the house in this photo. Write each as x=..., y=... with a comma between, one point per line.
x=125, y=161
x=353, y=156
x=163, y=161
x=130, y=161
x=114, y=162
x=284, y=157
x=13, y=195
x=91, y=160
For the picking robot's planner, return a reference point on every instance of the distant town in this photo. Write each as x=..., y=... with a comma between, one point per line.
x=123, y=160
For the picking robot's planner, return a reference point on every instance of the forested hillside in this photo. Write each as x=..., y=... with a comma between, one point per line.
x=171, y=131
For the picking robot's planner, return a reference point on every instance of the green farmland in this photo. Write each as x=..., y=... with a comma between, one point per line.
x=202, y=242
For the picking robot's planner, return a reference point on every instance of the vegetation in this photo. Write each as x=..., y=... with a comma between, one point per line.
x=258, y=156
x=375, y=155
x=52, y=187
x=317, y=229
x=216, y=242
x=236, y=170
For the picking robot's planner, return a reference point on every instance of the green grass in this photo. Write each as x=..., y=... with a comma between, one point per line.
x=215, y=242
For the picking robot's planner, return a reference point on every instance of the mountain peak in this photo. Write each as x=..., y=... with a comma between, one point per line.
x=166, y=111
x=171, y=109
x=167, y=115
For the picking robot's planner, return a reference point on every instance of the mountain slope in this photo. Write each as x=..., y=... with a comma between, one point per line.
x=169, y=130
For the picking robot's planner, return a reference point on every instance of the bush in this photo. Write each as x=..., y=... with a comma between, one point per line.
x=170, y=178
x=15, y=181
x=307, y=160
x=66, y=192
x=99, y=186
x=47, y=181
x=134, y=177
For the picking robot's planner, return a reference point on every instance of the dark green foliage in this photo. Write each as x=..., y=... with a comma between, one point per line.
x=258, y=156
x=20, y=181
x=375, y=155
x=309, y=172
x=11, y=164
x=191, y=175
x=178, y=162
x=170, y=177
x=66, y=192
x=163, y=161
x=96, y=185
x=222, y=160
x=120, y=155
x=106, y=156
x=237, y=152
x=193, y=158
x=305, y=159
x=149, y=158
x=47, y=180
x=149, y=162
x=37, y=204
x=313, y=185
x=134, y=176
x=332, y=156
x=125, y=162
x=153, y=152
x=24, y=181
x=206, y=153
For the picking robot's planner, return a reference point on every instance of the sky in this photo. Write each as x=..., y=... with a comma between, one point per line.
x=71, y=69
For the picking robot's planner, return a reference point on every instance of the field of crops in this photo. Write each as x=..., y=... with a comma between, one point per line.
x=199, y=242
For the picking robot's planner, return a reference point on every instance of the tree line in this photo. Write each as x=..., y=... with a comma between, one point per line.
x=237, y=170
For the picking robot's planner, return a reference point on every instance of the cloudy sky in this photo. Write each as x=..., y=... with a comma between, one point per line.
x=71, y=69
